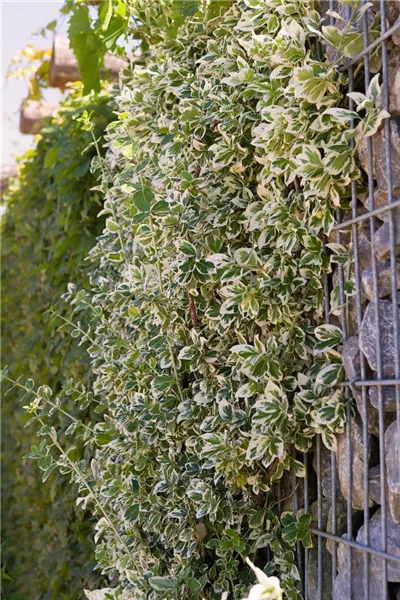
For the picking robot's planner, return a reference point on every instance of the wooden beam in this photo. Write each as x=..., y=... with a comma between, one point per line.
x=32, y=114
x=64, y=66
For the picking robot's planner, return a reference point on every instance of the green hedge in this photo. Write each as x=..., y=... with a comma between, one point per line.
x=49, y=225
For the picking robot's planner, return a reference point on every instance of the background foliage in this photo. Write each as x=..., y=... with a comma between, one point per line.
x=49, y=225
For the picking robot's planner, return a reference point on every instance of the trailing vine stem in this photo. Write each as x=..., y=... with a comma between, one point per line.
x=83, y=481
x=107, y=193
x=53, y=436
x=161, y=286
x=48, y=401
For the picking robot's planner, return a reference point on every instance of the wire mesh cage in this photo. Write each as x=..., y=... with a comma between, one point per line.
x=353, y=494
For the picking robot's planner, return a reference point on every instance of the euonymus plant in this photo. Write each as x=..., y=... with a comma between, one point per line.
x=211, y=363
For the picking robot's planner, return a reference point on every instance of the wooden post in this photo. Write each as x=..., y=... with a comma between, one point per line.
x=7, y=172
x=32, y=114
x=64, y=66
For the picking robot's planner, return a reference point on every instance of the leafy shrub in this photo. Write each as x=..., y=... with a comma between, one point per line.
x=210, y=358
x=49, y=225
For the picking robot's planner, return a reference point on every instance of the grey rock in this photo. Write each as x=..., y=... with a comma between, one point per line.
x=368, y=337
x=375, y=483
x=292, y=490
x=375, y=541
x=344, y=236
x=373, y=415
x=326, y=473
x=364, y=262
x=362, y=153
x=341, y=585
x=341, y=521
x=384, y=280
x=394, y=83
x=392, y=460
x=379, y=162
x=364, y=251
x=396, y=41
x=391, y=10
x=351, y=358
x=324, y=6
x=382, y=237
x=381, y=159
x=364, y=246
x=381, y=199
x=352, y=314
x=357, y=463
x=352, y=367
x=374, y=479
x=373, y=422
x=343, y=555
x=313, y=510
x=351, y=301
x=388, y=397
x=313, y=574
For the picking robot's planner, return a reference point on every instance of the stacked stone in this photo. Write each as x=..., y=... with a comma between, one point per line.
x=360, y=349
x=33, y=115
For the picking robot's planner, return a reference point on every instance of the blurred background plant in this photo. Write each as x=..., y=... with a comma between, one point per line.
x=32, y=66
x=49, y=225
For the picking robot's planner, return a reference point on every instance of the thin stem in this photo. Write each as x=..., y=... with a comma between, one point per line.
x=160, y=283
x=78, y=327
x=89, y=489
x=85, y=334
x=114, y=214
x=158, y=263
x=64, y=412
x=175, y=370
x=17, y=384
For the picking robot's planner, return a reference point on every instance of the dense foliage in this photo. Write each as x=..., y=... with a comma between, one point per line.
x=49, y=225
x=114, y=27
x=204, y=319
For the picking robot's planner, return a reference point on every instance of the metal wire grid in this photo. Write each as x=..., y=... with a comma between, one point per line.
x=369, y=553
